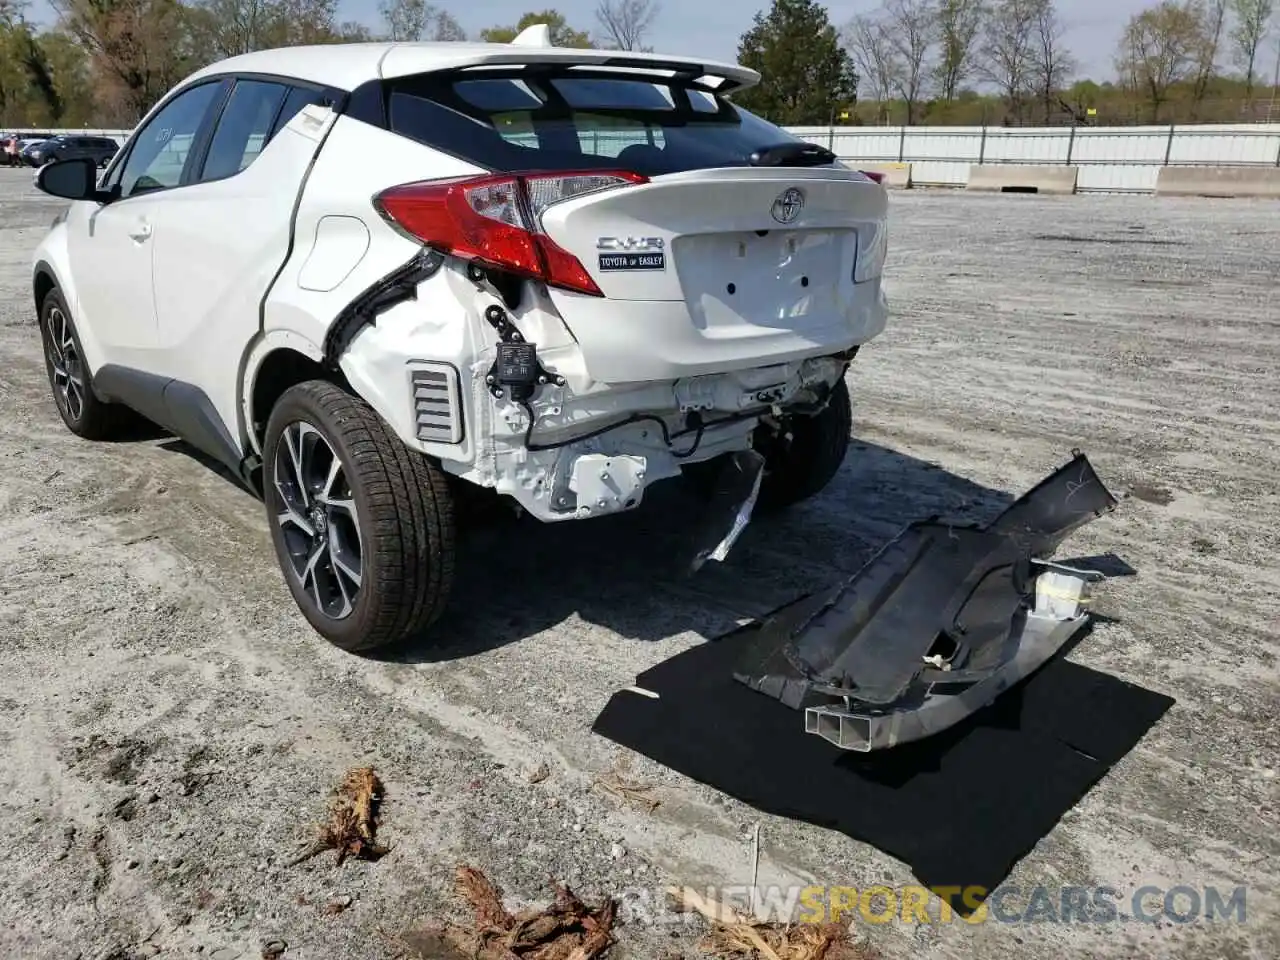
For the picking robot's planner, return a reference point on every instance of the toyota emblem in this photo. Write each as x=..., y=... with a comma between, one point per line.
x=788, y=205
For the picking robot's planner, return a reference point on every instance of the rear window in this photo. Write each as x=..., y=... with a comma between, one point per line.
x=565, y=120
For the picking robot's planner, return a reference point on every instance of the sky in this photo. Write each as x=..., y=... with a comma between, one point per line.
x=712, y=30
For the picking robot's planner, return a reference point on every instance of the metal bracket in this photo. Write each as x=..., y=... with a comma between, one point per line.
x=508, y=333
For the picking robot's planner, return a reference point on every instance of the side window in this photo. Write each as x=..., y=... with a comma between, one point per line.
x=243, y=129
x=159, y=154
x=298, y=98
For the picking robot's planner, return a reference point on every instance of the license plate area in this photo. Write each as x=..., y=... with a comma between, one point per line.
x=767, y=278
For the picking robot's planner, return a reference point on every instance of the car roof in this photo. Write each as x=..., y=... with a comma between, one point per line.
x=347, y=65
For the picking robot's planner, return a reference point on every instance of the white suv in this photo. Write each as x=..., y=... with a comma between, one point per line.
x=366, y=276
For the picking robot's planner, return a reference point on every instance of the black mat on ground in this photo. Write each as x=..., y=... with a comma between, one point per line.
x=960, y=809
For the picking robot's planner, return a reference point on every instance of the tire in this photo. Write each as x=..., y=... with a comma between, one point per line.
x=389, y=503
x=70, y=380
x=801, y=468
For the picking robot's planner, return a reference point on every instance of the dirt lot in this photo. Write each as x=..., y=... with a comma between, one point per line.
x=171, y=726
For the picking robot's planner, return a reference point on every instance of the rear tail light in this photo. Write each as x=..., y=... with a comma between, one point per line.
x=498, y=219
x=875, y=175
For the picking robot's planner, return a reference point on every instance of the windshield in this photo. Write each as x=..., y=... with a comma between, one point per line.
x=568, y=119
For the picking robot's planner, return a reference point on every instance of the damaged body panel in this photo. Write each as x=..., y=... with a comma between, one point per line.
x=941, y=621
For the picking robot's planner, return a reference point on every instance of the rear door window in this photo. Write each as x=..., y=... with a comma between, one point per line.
x=243, y=128
x=298, y=98
x=566, y=119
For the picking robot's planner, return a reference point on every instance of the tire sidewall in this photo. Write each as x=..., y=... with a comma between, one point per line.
x=810, y=465
x=54, y=299
x=296, y=406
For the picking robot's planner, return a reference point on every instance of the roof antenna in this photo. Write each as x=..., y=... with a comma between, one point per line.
x=536, y=35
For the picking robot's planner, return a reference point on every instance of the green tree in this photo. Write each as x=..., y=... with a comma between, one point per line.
x=806, y=75
x=562, y=35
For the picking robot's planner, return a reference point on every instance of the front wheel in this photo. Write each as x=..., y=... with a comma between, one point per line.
x=363, y=527
x=79, y=406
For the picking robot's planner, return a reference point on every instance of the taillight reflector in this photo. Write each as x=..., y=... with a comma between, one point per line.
x=498, y=219
x=875, y=175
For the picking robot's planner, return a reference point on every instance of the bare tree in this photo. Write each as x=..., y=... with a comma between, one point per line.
x=1251, y=21
x=873, y=55
x=1008, y=49
x=1161, y=46
x=959, y=22
x=627, y=22
x=1051, y=63
x=1213, y=17
x=911, y=29
x=405, y=19
x=134, y=47
x=447, y=28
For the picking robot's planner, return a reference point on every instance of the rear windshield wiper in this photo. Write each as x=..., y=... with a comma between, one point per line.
x=792, y=155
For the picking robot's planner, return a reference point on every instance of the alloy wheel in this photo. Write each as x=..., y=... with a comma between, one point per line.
x=316, y=511
x=64, y=358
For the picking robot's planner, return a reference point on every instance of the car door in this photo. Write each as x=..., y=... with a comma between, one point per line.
x=221, y=241
x=110, y=245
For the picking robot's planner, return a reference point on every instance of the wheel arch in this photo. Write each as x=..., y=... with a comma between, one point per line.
x=281, y=360
x=43, y=280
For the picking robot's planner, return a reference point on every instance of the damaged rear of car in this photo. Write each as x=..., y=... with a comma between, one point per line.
x=588, y=277
x=369, y=277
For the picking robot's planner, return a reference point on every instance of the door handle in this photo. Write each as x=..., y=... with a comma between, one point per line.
x=140, y=232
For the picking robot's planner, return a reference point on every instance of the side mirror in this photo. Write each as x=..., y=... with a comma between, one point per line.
x=69, y=179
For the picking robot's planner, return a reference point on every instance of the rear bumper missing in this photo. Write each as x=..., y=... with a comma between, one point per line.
x=937, y=625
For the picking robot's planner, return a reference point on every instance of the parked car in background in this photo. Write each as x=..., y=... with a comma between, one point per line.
x=28, y=144
x=73, y=147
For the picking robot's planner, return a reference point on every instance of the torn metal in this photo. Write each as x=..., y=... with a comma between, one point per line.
x=729, y=512
x=940, y=622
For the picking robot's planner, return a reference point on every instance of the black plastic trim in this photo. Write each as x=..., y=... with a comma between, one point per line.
x=178, y=406
x=395, y=288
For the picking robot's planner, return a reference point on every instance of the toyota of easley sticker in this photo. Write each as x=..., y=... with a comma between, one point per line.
x=632, y=253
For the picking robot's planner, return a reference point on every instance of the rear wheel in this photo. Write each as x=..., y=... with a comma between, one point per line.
x=803, y=453
x=363, y=526
x=84, y=414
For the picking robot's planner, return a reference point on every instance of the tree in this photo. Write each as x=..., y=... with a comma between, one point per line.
x=418, y=20
x=226, y=28
x=137, y=49
x=1051, y=63
x=1213, y=16
x=958, y=24
x=447, y=28
x=1251, y=19
x=562, y=35
x=806, y=73
x=1008, y=49
x=911, y=27
x=873, y=57
x=627, y=22
x=1161, y=47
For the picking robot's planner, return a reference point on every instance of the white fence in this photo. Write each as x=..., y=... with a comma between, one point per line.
x=1110, y=159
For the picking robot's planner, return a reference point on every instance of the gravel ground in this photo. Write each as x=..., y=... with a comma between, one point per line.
x=171, y=727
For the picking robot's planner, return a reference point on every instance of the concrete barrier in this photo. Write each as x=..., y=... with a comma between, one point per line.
x=897, y=175
x=1219, y=182
x=1022, y=178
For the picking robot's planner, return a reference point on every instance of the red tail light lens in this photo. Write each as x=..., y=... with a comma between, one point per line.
x=497, y=219
x=875, y=175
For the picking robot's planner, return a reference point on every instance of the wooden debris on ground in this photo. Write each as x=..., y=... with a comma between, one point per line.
x=618, y=783
x=737, y=937
x=352, y=825
x=565, y=929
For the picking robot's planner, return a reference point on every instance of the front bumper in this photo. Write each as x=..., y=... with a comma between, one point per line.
x=936, y=625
